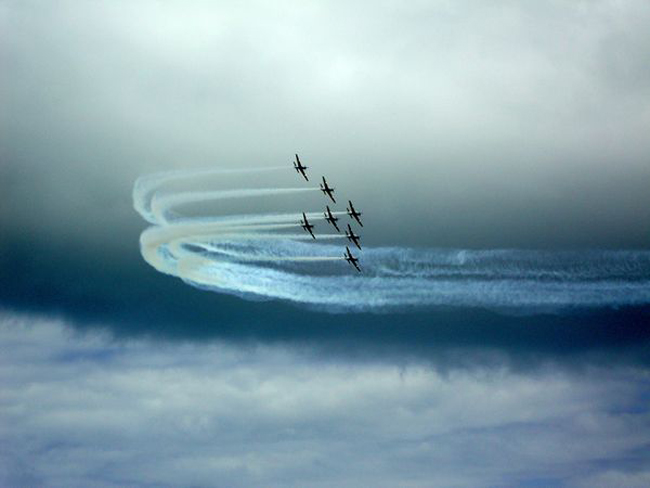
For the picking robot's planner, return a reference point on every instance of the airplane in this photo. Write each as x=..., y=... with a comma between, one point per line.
x=351, y=259
x=304, y=223
x=327, y=190
x=352, y=237
x=331, y=219
x=300, y=168
x=353, y=213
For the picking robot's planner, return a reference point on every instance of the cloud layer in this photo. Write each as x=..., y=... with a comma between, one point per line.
x=83, y=410
x=498, y=125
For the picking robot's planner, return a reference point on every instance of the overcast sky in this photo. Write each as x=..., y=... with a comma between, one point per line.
x=495, y=125
x=465, y=124
x=104, y=413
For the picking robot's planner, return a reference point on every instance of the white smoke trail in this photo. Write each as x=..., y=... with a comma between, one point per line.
x=146, y=186
x=253, y=256
x=161, y=203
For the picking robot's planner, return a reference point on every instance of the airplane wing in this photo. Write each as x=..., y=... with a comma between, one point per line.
x=351, y=259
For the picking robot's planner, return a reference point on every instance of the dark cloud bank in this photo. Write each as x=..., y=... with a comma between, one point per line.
x=133, y=300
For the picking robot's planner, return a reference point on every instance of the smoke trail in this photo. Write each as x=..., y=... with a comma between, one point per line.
x=161, y=204
x=254, y=256
x=146, y=186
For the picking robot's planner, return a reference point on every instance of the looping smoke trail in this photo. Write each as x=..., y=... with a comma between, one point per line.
x=146, y=186
x=254, y=257
x=161, y=203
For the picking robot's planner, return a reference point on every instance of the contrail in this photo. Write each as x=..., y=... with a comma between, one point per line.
x=261, y=256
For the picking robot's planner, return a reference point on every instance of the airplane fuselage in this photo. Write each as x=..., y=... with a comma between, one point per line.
x=325, y=188
x=352, y=237
x=328, y=191
x=333, y=222
x=308, y=228
x=351, y=259
x=304, y=223
x=300, y=169
x=355, y=240
x=352, y=212
x=356, y=216
x=329, y=217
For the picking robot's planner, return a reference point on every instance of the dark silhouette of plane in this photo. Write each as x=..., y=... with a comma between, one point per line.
x=351, y=259
x=300, y=168
x=327, y=190
x=352, y=237
x=331, y=219
x=353, y=213
x=304, y=223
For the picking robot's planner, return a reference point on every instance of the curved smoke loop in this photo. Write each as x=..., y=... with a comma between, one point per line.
x=263, y=256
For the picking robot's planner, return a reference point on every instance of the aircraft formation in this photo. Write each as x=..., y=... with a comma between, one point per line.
x=331, y=218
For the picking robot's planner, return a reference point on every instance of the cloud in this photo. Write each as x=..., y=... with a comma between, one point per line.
x=85, y=410
x=499, y=125
x=616, y=478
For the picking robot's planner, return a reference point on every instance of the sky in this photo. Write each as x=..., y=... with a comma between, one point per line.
x=506, y=139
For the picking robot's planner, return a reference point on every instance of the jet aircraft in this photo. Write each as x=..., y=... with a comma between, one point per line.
x=351, y=259
x=329, y=216
x=304, y=223
x=352, y=237
x=327, y=190
x=300, y=168
x=353, y=213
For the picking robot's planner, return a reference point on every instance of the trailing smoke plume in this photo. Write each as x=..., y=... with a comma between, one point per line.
x=263, y=255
